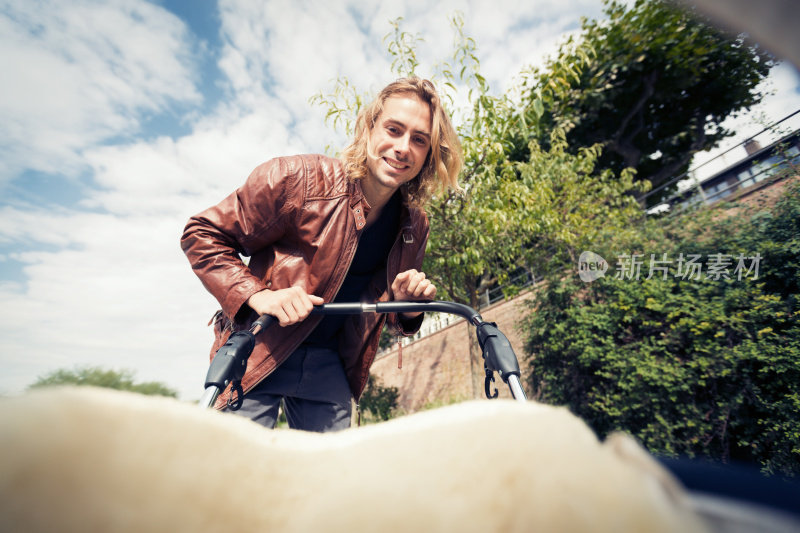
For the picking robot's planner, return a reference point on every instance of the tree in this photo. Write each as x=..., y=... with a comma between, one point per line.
x=98, y=377
x=652, y=84
x=700, y=365
x=536, y=214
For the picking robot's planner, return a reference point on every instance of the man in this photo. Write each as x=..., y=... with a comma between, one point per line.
x=318, y=230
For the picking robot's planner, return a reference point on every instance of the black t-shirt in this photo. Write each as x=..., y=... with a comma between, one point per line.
x=373, y=248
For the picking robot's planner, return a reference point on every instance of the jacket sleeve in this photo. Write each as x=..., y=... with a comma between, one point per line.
x=251, y=218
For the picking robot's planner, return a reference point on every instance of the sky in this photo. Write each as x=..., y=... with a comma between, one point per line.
x=121, y=119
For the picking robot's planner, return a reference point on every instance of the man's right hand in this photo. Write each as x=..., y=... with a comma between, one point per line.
x=289, y=306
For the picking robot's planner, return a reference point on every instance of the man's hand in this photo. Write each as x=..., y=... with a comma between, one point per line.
x=412, y=285
x=289, y=306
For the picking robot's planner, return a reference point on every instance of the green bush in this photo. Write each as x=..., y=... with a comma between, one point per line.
x=100, y=377
x=694, y=367
x=378, y=403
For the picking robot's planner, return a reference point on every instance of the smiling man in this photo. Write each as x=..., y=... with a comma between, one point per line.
x=319, y=230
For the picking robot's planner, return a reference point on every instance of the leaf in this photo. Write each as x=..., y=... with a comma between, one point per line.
x=538, y=107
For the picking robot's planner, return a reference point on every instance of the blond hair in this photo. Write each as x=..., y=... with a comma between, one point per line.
x=444, y=159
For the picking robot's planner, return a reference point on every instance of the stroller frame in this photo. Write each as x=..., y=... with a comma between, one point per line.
x=230, y=361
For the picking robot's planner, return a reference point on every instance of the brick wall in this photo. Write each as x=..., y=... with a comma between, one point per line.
x=436, y=369
x=766, y=192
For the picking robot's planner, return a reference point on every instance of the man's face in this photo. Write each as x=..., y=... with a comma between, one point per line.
x=399, y=141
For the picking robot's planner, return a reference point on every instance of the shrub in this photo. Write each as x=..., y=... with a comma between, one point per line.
x=378, y=403
x=698, y=366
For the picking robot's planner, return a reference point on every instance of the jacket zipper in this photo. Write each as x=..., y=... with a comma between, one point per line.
x=388, y=288
x=339, y=286
x=400, y=235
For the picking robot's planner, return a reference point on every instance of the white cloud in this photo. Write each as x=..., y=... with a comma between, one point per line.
x=164, y=175
x=115, y=290
x=116, y=293
x=99, y=288
x=290, y=51
x=78, y=73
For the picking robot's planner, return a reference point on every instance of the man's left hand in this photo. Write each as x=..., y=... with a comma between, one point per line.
x=412, y=285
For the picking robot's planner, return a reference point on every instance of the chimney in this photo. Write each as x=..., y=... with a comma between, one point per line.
x=751, y=146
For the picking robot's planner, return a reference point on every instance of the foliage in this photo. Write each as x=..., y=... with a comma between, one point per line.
x=387, y=339
x=98, y=377
x=379, y=401
x=652, y=84
x=699, y=367
x=533, y=214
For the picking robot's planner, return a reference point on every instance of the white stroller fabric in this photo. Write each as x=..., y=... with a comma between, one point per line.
x=85, y=460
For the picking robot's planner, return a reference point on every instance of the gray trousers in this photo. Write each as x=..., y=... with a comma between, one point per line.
x=314, y=390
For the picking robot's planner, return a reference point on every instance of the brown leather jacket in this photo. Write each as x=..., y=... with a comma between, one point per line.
x=299, y=220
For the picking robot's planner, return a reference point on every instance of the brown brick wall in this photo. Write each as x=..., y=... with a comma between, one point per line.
x=436, y=369
x=765, y=193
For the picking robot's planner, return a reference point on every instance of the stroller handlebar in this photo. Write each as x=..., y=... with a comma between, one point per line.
x=497, y=351
x=399, y=307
